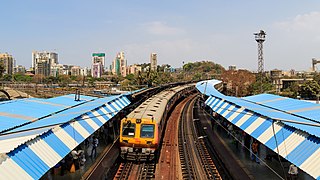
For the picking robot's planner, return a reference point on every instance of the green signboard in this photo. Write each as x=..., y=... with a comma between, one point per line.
x=99, y=54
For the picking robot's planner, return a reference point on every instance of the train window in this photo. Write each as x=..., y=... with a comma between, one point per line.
x=128, y=129
x=147, y=131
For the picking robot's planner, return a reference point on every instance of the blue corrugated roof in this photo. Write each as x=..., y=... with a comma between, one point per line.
x=258, y=103
x=292, y=106
x=207, y=87
x=35, y=157
x=18, y=112
x=298, y=143
x=67, y=114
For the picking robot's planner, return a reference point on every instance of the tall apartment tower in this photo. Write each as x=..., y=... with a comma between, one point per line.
x=153, y=62
x=42, y=62
x=119, y=65
x=98, y=64
x=51, y=57
x=8, y=63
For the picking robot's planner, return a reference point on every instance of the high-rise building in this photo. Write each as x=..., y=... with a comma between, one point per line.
x=96, y=69
x=153, y=62
x=51, y=57
x=43, y=60
x=7, y=61
x=99, y=58
x=43, y=67
x=119, y=65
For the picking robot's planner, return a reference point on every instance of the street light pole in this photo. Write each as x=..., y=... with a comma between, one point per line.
x=260, y=38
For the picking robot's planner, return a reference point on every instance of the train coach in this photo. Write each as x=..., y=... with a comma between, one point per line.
x=141, y=130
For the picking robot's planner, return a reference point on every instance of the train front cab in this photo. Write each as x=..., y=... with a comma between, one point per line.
x=138, y=139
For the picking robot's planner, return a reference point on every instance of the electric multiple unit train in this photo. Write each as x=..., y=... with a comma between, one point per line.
x=141, y=130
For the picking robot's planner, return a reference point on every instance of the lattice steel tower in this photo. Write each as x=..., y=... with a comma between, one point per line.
x=260, y=38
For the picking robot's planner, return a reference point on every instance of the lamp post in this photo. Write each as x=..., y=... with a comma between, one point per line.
x=260, y=38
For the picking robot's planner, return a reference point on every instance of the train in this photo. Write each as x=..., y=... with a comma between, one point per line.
x=142, y=129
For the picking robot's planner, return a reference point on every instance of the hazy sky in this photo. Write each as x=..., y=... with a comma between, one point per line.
x=178, y=30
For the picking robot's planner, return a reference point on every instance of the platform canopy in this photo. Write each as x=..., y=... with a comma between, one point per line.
x=30, y=150
x=290, y=128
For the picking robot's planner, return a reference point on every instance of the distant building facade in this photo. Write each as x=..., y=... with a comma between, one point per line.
x=43, y=67
x=85, y=71
x=134, y=69
x=8, y=63
x=232, y=67
x=75, y=71
x=42, y=62
x=119, y=65
x=98, y=64
x=96, y=70
x=56, y=70
x=153, y=62
x=19, y=69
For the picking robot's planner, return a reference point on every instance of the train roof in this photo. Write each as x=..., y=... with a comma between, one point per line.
x=155, y=105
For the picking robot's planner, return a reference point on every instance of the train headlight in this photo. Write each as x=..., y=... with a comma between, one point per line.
x=143, y=150
x=124, y=149
x=138, y=121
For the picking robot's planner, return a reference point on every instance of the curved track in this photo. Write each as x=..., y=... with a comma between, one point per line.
x=196, y=161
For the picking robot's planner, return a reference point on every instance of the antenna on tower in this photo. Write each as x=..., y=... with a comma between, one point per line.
x=260, y=38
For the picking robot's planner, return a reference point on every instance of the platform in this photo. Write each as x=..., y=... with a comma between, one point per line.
x=266, y=169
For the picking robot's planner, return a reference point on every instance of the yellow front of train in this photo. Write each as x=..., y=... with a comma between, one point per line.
x=139, y=139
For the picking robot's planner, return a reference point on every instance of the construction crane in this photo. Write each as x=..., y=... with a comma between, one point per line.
x=314, y=63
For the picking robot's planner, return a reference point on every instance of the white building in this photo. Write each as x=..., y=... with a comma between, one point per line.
x=153, y=62
x=20, y=69
x=75, y=71
x=45, y=60
x=134, y=69
x=85, y=71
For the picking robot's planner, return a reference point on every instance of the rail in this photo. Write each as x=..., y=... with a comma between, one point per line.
x=195, y=157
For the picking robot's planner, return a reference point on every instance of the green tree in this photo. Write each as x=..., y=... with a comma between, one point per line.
x=22, y=78
x=7, y=77
x=316, y=77
x=309, y=90
x=292, y=91
x=130, y=77
x=64, y=80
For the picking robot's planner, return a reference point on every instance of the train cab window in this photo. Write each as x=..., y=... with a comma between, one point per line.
x=128, y=129
x=147, y=131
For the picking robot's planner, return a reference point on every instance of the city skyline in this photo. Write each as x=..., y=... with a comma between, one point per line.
x=188, y=31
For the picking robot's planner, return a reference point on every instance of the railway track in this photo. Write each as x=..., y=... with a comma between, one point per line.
x=168, y=166
x=140, y=170
x=195, y=158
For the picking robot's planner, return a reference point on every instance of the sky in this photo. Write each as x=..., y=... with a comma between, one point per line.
x=177, y=30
